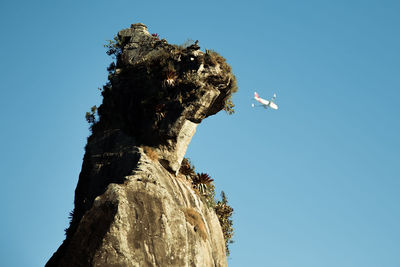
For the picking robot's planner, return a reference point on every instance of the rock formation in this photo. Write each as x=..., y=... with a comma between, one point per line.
x=133, y=206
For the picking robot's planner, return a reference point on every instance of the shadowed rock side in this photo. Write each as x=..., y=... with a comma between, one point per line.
x=134, y=208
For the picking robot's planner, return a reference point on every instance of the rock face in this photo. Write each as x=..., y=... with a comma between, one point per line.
x=132, y=205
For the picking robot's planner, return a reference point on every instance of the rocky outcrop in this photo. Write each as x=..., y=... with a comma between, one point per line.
x=132, y=205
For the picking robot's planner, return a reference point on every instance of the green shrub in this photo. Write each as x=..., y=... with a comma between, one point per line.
x=224, y=213
x=114, y=47
x=91, y=117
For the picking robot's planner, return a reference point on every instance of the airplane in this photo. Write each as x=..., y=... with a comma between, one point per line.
x=265, y=103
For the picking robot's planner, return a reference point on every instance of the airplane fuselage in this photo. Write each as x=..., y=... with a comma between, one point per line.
x=264, y=102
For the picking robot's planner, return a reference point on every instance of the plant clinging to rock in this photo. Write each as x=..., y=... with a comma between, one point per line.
x=224, y=213
x=187, y=168
x=70, y=217
x=114, y=47
x=212, y=58
x=201, y=181
x=170, y=77
x=91, y=117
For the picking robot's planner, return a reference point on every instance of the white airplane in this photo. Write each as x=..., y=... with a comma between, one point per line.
x=265, y=103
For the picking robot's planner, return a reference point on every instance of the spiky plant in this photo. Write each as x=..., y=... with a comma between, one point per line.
x=170, y=77
x=70, y=217
x=187, y=168
x=201, y=181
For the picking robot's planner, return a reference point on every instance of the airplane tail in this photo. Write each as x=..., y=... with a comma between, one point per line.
x=256, y=95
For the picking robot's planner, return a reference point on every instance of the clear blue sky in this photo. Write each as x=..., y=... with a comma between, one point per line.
x=313, y=184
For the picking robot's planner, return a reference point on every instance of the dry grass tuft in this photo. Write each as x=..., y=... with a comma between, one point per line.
x=194, y=218
x=150, y=152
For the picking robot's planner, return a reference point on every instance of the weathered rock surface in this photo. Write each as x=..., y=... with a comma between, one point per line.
x=134, y=208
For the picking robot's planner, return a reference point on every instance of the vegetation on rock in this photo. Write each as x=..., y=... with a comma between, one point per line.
x=91, y=117
x=187, y=168
x=169, y=79
x=114, y=47
x=203, y=183
x=224, y=213
x=213, y=58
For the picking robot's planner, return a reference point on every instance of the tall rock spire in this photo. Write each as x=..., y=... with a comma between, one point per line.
x=132, y=205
